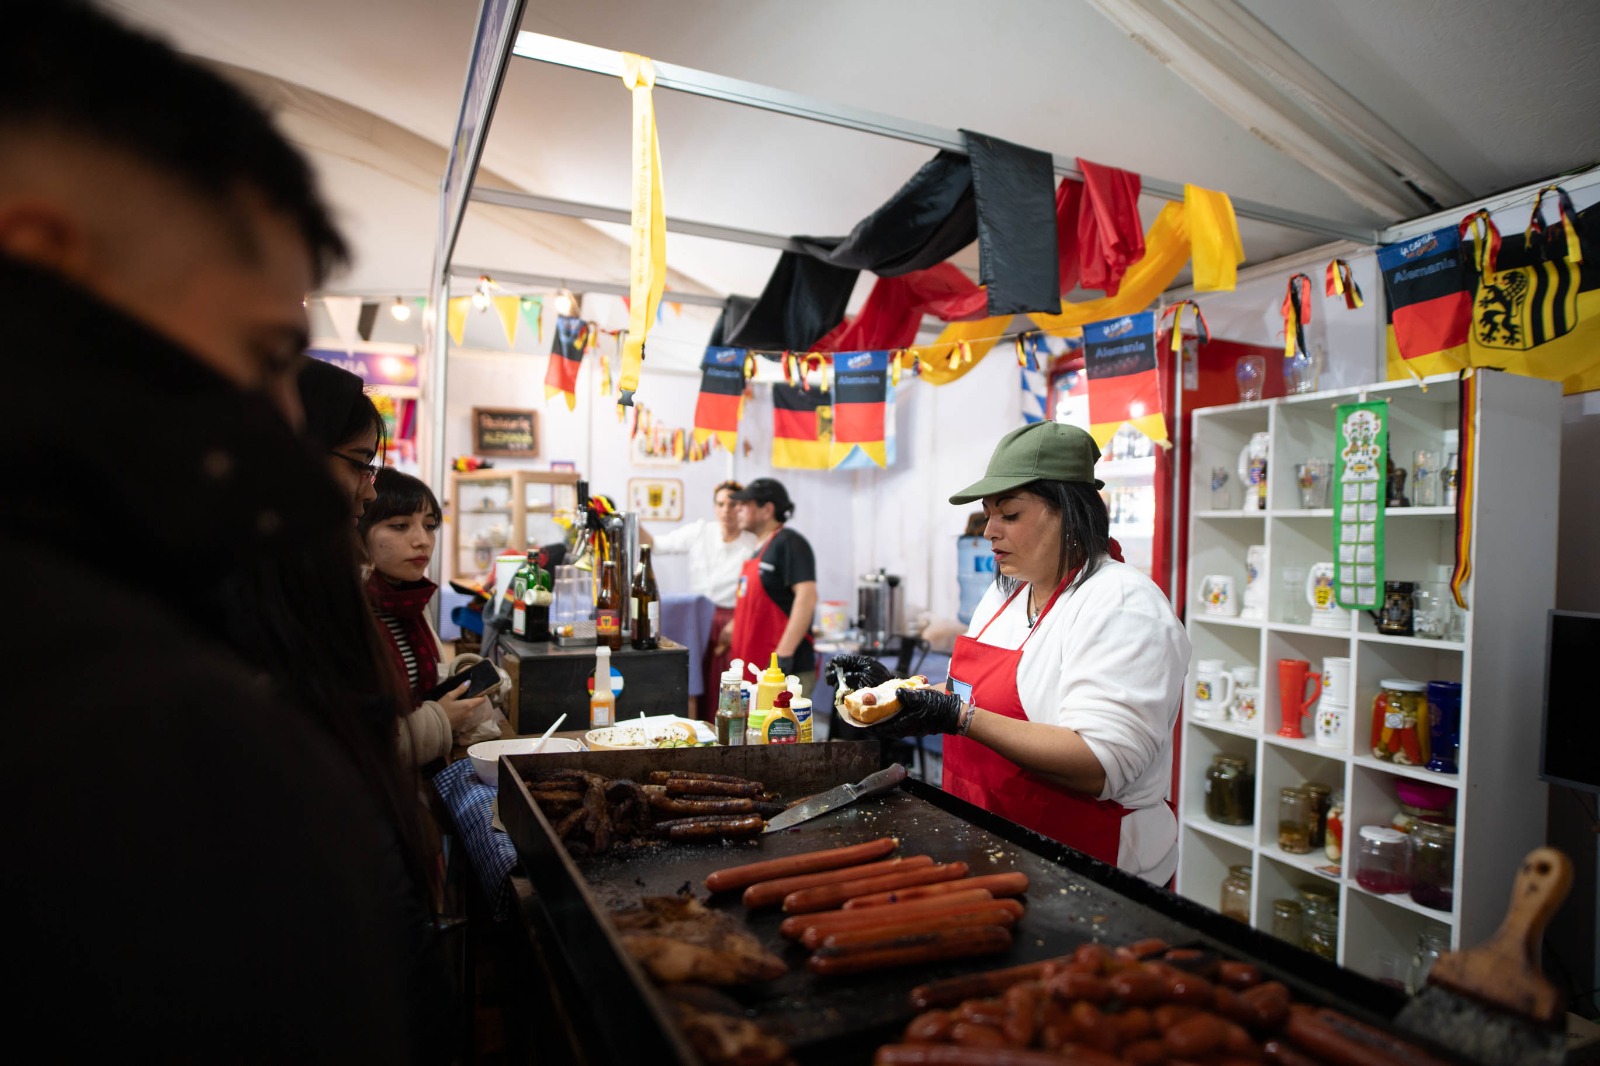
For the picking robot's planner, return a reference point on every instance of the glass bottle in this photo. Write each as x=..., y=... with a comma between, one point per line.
x=1321, y=907
x=731, y=715
x=1230, y=790
x=1288, y=921
x=1321, y=797
x=521, y=581
x=646, y=604
x=1294, y=821
x=1431, y=943
x=608, y=609
x=1383, y=860
x=1433, y=864
x=1236, y=894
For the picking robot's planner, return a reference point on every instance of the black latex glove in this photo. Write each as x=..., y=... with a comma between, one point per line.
x=922, y=711
x=847, y=673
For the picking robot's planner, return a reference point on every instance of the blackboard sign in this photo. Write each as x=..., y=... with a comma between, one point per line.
x=505, y=431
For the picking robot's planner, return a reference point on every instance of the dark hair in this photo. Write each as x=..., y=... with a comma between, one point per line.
x=731, y=486
x=337, y=407
x=74, y=70
x=1085, y=526
x=398, y=494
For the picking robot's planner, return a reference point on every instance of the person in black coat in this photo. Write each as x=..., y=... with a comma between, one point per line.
x=210, y=853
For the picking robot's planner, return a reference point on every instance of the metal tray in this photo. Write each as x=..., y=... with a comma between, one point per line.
x=1072, y=899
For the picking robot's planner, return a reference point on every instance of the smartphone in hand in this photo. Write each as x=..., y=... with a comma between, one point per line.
x=482, y=677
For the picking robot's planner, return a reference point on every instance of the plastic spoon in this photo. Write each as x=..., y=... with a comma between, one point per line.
x=553, y=727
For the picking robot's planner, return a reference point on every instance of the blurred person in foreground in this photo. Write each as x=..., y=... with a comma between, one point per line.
x=215, y=854
x=717, y=550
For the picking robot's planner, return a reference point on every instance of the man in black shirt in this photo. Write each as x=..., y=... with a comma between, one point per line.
x=778, y=590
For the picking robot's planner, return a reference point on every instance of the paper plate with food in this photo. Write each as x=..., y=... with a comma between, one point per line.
x=869, y=706
x=665, y=731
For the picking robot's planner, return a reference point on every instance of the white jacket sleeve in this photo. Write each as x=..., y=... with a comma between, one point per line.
x=425, y=735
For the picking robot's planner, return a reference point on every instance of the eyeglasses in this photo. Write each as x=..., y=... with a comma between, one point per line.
x=369, y=471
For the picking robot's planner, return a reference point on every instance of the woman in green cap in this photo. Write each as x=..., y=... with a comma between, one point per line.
x=1063, y=694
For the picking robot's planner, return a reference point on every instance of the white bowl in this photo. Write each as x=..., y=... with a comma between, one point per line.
x=486, y=756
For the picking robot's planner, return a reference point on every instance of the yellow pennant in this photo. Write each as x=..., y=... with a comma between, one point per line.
x=1214, y=235
x=509, y=308
x=456, y=317
x=647, y=268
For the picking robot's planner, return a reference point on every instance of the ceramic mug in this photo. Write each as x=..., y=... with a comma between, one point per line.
x=1336, y=681
x=1293, y=700
x=1216, y=595
x=1253, y=471
x=1246, y=705
x=1332, y=719
x=1213, y=689
x=1325, y=610
x=1255, y=582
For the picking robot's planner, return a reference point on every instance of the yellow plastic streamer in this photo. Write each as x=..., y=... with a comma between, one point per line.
x=456, y=317
x=1214, y=233
x=1166, y=250
x=647, y=268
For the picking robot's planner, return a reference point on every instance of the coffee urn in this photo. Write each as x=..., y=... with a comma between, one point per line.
x=878, y=607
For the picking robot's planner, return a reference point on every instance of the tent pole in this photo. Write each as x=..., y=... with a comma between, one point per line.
x=555, y=50
x=612, y=288
x=594, y=212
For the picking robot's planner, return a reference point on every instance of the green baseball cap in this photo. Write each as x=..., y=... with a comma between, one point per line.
x=1044, y=451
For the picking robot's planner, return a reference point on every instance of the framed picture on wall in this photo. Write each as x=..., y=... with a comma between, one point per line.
x=511, y=432
x=656, y=499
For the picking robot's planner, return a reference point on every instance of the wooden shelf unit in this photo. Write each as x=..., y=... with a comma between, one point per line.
x=506, y=492
x=1500, y=802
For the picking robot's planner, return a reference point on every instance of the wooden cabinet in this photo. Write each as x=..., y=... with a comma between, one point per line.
x=523, y=504
x=1499, y=658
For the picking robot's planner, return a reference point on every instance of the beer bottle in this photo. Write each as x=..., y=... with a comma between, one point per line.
x=608, y=609
x=646, y=604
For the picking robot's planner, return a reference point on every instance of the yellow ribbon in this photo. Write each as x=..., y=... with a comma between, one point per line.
x=647, y=266
x=1214, y=233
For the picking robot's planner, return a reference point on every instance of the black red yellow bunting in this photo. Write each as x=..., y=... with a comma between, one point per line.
x=1340, y=282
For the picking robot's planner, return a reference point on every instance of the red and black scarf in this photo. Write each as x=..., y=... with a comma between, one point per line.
x=405, y=604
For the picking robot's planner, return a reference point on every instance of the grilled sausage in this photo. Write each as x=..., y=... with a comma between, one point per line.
x=913, y=927
x=682, y=806
x=830, y=897
x=679, y=786
x=1237, y=974
x=661, y=777
x=929, y=1027
x=1265, y=1006
x=951, y=944
x=998, y=886
x=714, y=827
x=954, y=990
x=1195, y=1036
x=1070, y=985
x=1342, y=1040
x=795, y=926
x=768, y=893
x=954, y=1055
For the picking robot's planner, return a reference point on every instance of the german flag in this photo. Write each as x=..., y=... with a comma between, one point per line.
x=1119, y=359
x=860, y=400
x=721, y=402
x=802, y=427
x=1429, y=304
x=567, y=347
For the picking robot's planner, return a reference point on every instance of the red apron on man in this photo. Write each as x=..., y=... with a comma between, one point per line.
x=985, y=675
x=758, y=622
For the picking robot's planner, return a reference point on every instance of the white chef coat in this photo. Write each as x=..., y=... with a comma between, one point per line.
x=1108, y=661
x=713, y=562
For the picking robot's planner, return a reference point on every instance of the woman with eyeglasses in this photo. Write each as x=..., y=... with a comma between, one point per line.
x=342, y=419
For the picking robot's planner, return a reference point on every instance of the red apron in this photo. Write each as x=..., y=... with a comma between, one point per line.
x=977, y=774
x=758, y=622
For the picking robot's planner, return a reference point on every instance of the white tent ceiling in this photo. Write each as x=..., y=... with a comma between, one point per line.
x=1493, y=94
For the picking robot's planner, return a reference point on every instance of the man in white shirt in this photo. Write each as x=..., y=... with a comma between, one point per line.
x=716, y=550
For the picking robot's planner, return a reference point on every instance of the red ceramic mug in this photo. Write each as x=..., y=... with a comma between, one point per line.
x=1293, y=703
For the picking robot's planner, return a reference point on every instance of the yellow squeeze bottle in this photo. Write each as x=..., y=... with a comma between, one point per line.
x=782, y=727
x=769, y=683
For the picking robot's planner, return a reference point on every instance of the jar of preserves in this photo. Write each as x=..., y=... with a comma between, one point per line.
x=1321, y=802
x=1294, y=821
x=1230, y=790
x=1322, y=931
x=1333, y=833
x=1433, y=864
x=1383, y=860
x=1399, y=716
x=1236, y=894
x=1288, y=921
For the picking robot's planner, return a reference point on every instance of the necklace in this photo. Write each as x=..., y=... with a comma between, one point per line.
x=1030, y=610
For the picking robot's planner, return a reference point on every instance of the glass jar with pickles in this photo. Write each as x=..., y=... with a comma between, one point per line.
x=1294, y=821
x=1321, y=798
x=1230, y=790
x=1236, y=894
x=1320, y=904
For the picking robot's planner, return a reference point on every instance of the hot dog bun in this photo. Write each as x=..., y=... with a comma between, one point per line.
x=868, y=706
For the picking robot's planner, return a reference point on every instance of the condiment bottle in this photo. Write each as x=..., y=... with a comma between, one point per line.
x=608, y=609
x=602, y=703
x=769, y=684
x=731, y=716
x=801, y=707
x=521, y=583
x=646, y=604
x=781, y=726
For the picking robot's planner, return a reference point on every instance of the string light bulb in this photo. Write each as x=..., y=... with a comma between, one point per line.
x=480, y=298
x=564, y=303
x=401, y=310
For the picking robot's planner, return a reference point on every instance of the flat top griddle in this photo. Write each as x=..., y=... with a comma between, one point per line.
x=1072, y=899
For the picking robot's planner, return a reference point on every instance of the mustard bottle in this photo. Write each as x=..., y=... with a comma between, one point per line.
x=781, y=726
x=770, y=682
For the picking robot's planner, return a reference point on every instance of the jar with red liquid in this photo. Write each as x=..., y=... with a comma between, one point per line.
x=1383, y=860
